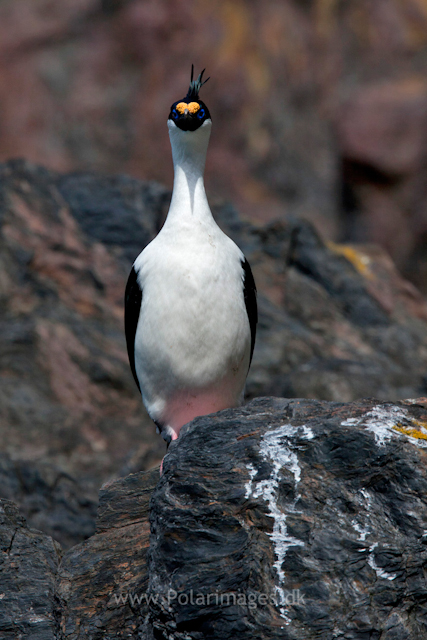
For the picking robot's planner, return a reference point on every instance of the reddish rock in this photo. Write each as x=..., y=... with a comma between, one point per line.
x=87, y=85
x=385, y=126
x=67, y=397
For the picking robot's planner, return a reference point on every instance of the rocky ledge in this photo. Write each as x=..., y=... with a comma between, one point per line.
x=337, y=323
x=294, y=519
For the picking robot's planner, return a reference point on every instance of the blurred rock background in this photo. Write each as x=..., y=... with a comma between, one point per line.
x=319, y=106
x=319, y=138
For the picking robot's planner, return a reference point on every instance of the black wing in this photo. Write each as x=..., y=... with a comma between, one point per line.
x=133, y=297
x=249, y=293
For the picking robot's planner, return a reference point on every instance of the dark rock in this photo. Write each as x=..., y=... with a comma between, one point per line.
x=29, y=563
x=343, y=323
x=102, y=582
x=292, y=519
x=50, y=499
x=311, y=257
x=118, y=211
x=319, y=507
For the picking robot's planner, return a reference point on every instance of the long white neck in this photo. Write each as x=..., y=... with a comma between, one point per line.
x=189, y=150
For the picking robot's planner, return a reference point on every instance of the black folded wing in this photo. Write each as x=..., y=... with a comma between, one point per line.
x=249, y=292
x=133, y=298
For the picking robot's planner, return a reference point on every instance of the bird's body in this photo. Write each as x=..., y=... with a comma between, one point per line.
x=190, y=338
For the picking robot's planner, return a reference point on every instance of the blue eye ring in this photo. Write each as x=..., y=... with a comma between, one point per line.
x=201, y=113
x=174, y=113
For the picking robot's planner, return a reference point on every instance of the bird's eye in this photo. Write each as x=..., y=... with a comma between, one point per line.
x=174, y=113
x=201, y=113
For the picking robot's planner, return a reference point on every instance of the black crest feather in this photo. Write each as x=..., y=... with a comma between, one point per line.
x=195, y=85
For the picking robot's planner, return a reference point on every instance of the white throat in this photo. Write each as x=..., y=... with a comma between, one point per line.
x=189, y=150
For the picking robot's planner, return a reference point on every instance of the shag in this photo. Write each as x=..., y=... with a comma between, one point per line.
x=190, y=301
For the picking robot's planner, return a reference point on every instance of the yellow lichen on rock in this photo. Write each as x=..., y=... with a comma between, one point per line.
x=412, y=432
x=359, y=260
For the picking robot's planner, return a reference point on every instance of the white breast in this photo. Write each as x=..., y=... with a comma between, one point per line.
x=193, y=338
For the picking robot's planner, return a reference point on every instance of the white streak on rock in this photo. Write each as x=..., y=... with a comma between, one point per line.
x=351, y=421
x=360, y=530
x=35, y=618
x=248, y=485
x=380, y=572
x=380, y=421
x=367, y=497
x=275, y=447
x=363, y=531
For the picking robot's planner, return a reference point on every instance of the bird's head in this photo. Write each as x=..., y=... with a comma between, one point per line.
x=190, y=113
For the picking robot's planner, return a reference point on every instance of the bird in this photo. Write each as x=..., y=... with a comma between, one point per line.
x=191, y=299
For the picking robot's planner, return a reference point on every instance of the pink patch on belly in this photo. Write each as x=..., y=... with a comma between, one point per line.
x=187, y=406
